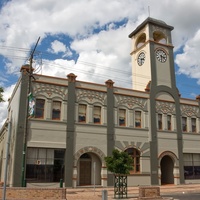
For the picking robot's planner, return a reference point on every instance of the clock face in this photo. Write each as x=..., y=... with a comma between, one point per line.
x=161, y=55
x=141, y=59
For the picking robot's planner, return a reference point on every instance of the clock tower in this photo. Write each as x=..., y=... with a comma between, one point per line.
x=152, y=54
x=153, y=71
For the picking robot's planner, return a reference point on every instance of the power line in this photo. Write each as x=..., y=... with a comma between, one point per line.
x=89, y=64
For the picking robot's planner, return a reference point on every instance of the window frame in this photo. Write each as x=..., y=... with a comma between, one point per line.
x=193, y=126
x=41, y=162
x=169, y=122
x=191, y=166
x=82, y=115
x=138, y=119
x=184, y=125
x=39, y=109
x=122, y=118
x=160, y=121
x=136, y=155
x=98, y=115
x=54, y=110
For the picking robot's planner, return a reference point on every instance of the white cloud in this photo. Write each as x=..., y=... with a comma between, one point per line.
x=3, y=105
x=58, y=67
x=189, y=60
x=59, y=47
x=22, y=22
x=104, y=52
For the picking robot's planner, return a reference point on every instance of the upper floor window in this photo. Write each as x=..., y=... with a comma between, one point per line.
x=160, y=122
x=169, y=122
x=184, y=124
x=82, y=113
x=39, y=108
x=135, y=154
x=193, y=122
x=56, y=110
x=97, y=115
x=138, y=119
x=122, y=117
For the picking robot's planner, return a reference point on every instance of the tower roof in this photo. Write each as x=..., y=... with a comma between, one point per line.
x=150, y=20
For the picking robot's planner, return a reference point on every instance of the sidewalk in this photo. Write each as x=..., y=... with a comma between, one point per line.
x=84, y=193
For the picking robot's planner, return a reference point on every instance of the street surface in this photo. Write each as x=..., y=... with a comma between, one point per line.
x=175, y=192
x=184, y=196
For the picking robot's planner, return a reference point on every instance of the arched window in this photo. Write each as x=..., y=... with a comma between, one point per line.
x=160, y=124
x=138, y=119
x=135, y=154
x=122, y=117
x=97, y=114
x=158, y=36
x=82, y=113
x=184, y=124
x=169, y=122
x=56, y=110
x=85, y=156
x=39, y=108
x=193, y=125
x=141, y=40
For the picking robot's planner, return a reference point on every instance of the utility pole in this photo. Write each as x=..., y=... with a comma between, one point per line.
x=30, y=72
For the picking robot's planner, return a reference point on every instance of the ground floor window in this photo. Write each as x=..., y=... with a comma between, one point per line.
x=135, y=154
x=44, y=165
x=192, y=166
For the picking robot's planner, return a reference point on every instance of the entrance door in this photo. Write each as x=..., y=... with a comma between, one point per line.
x=85, y=170
x=167, y=168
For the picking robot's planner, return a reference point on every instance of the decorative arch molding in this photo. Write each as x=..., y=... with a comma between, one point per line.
x=171, y=155
x=189, y=111
x=143, y=147
x=89, y=149
x=165, y=107
x=50, y=90
x=130, y=102
x=91, y=96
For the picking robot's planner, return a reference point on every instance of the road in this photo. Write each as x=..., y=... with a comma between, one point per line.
x=185, y=196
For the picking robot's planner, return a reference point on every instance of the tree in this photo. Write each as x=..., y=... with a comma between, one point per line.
x=120, y=163
x=1, y=95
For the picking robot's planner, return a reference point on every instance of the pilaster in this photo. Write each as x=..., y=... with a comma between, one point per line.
x=69, y=155
x=110, y=124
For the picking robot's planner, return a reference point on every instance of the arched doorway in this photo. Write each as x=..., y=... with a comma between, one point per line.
x=89, y=169
x=85, y=169
x=167, y=168
x=98, y=174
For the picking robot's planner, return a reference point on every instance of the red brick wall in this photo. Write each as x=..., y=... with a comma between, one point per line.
x=34, y=193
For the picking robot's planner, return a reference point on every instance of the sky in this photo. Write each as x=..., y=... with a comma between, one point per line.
x=90, y=39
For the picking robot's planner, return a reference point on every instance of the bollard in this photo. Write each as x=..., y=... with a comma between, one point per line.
x=104, y=195
x=24, y=183
x=61, y=183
